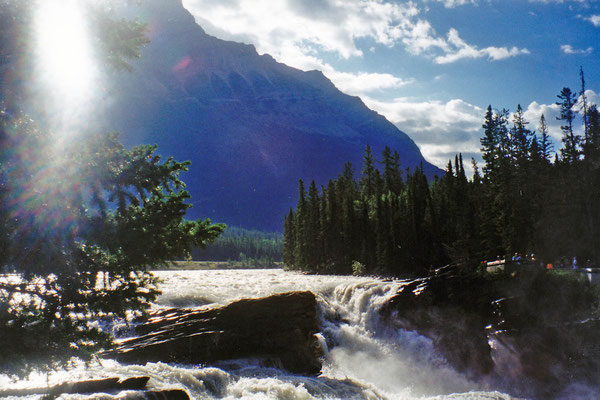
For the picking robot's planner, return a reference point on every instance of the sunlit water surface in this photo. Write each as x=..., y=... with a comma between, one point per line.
x=364, y=359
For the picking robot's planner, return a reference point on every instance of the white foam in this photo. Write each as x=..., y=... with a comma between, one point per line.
x=364, y=359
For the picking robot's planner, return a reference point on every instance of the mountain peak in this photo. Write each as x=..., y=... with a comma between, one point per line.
x=250, y=125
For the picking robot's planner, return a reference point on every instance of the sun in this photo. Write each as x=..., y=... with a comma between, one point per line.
x=65, y=64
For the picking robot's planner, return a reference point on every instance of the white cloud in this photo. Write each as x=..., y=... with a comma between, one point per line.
x=299, y=32
x=455, y=3
x=534, y=111
x=594, y=19
x=295, y=32
x=276, y=27
x=568, y=49
x=459, y=49
x=440, y=129
x=443, y=129
x=559, y=1
x=364, y=82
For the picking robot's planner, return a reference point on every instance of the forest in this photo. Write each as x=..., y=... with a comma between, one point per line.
x=238, y=244
x=525, y=199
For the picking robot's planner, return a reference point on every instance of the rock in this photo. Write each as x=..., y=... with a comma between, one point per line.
x=86, y=386
x=543, y=339
x=280, y=327
x=549, y=340
x=446, y=308
x=170, y=394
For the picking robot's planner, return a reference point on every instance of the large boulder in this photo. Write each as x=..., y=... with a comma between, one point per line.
x=280, y=328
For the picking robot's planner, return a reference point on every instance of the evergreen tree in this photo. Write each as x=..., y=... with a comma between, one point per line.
x=80, y=228
x=584, y=111
x=570, y=152
x=489, y=142
x=87, y=227
x=370, y=180
x=289, y=240
x=594, y=132
x=521, y=138
x=520, y=203
x=546, y=145
x=392, y=176
x=313, y=228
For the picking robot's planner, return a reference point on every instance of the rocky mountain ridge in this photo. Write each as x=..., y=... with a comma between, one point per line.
x=251, y=126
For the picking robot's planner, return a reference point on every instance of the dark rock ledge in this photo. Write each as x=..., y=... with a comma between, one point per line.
x=280, y=327
x=113, y=385
x=532, y=334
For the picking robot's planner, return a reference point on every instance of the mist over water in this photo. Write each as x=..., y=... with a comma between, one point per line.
x=363, y=358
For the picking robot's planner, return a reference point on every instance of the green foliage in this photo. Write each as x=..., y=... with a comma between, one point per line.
x=398, y=224
x=571, y=150
x=118, y=39
x=379, y=224
x=533, y=206
x=81, y=223
x=238, y=244
x=358, y=269
x=81, y=227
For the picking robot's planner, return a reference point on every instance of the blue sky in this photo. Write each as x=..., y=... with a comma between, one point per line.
x=430, y=66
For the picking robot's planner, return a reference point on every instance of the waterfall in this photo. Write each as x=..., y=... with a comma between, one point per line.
x=363, y=357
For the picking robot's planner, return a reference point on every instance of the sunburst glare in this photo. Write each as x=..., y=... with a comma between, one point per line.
x=65, y=62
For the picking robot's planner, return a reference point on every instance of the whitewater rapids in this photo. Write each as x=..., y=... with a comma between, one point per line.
x=363, y=358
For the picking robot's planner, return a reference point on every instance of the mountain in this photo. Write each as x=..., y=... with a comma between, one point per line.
x=251, y=126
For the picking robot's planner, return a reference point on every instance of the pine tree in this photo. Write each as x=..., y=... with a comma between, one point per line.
x=289, y=239
x=313, y=228
x=87, y=228
x=301, y=251
x=570, y=152
x=370, y=181
x=521, y=137
x=594, y=132
x=80, y=228
x=546, y=145
x=584, y=112
x=392, y=177
x=489, y=142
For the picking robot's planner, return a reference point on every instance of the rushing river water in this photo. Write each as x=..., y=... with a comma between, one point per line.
x=363, y=358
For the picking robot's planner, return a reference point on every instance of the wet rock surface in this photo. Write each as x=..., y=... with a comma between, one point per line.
x=530, y=332
x=131, y=388
x=280, y=328
x=449, y=308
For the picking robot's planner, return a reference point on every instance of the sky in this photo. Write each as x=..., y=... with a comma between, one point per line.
x=429, y=66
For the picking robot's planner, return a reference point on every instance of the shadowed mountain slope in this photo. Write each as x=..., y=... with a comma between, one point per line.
x=251, y=126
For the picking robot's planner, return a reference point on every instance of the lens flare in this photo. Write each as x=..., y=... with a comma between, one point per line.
x=65, y=63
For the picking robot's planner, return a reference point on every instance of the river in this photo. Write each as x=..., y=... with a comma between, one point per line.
x=363, y=358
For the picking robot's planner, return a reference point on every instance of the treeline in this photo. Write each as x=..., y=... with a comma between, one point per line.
x=524, y=200
x=238, y=244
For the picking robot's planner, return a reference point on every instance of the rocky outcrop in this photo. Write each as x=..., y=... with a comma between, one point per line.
x=549, y=349
x=132, y=388
x=529, y=332
x=451, y=309
x=280, y=329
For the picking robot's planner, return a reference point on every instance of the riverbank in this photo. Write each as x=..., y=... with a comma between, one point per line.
x=213, y=265
x=452, y=335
